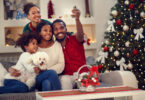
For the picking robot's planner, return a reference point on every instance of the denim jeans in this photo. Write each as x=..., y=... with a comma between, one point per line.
x=48, y=81
x=13, y=86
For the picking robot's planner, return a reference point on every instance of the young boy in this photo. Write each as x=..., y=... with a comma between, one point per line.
x=16, y=80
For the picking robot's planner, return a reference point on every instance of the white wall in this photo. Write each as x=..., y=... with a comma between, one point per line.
x=61, y=7
x=101, y=12
x=100, y=9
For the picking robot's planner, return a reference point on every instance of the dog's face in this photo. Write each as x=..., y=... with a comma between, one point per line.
x=40, y=59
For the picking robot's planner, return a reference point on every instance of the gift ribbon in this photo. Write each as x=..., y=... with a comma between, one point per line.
x=94, y=70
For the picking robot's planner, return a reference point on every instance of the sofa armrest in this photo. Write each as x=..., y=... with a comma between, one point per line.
x=3, y=72
x=118, y=78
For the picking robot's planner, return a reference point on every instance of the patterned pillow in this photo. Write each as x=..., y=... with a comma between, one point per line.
x=7, y=64
x=90, y=60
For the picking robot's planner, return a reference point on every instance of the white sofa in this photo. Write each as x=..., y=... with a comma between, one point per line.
x=114, y=78
x=119, y=78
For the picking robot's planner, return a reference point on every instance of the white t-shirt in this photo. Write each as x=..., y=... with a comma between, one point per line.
x=56, y=57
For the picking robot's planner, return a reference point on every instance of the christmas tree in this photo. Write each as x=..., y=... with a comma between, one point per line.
x=50, y=9
x=124, y=46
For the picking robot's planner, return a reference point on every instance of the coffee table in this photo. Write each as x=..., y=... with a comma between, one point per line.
x=102, y=92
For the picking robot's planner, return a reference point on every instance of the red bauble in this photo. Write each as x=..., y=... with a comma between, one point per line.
x=131, y=6
x=100, y=66
x=106, y=48
x=135, y=52
x=88, y=41
x=119, y=22
x=141, y=0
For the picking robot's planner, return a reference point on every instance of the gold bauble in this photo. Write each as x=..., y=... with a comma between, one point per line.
x=132, y=36
x=128, y=55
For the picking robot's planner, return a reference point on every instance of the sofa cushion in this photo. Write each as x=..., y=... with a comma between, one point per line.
x=4, y=66
x=3, y=72
x=7, y=64
x=119, y=78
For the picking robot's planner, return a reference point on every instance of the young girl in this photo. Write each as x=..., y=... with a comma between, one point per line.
x=33, y=14
x=54, y=50
x=15, y=81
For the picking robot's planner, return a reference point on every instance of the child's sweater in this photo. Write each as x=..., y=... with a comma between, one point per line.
x=26, y=70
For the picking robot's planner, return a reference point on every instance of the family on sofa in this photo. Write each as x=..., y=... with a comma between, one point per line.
x=66, y=55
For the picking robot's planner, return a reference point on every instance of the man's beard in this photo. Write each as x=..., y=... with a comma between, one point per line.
x=60, y=40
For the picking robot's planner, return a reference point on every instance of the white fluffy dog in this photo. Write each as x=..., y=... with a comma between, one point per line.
x=39, y=59
x=28, y=75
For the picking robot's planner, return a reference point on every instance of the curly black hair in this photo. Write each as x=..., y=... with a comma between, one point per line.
x=27, y=7
x=25, y=39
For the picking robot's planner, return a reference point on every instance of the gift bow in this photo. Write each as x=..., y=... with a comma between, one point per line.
x=111, y=26
x=122, y=64
x=94, y=70
x=138, y=33
x=102, y=57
